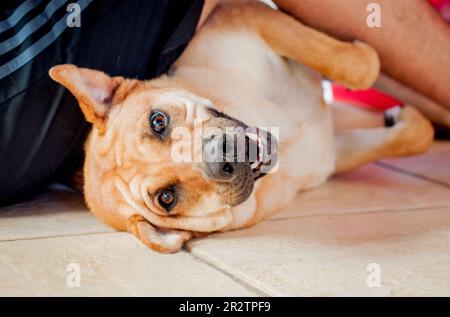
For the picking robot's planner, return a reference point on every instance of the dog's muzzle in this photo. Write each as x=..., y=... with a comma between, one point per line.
x=236, y=160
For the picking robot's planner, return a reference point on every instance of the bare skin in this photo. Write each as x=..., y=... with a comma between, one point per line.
x=411, y=43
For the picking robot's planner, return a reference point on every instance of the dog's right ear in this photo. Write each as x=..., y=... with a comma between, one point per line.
x=95, y=91
x=163, y=241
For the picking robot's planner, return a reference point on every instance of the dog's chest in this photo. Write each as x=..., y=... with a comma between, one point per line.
x=269, y=91
x=249, y=81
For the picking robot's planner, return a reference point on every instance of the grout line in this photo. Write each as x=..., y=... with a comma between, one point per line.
x=361, y=212
x=409, y=173
x=211, y=263
x=59, y=236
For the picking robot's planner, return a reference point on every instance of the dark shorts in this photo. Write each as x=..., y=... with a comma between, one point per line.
x=42, y=129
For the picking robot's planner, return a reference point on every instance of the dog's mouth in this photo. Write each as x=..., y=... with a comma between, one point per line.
x=261, y=151
x=236, y=156
x=261, y=147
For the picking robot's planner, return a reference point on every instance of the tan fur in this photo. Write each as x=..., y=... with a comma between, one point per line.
x=254, y=64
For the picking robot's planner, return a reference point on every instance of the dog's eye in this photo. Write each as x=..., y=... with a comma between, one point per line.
x=167, y=198
x=159, y=121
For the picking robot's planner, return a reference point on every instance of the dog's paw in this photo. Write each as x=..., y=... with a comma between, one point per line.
x=392, y=116
x=368, y=62
x=412, y=132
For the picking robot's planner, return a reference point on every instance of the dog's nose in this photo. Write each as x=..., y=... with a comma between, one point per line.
x=222, y=170
x=222, y=159
x=225, y=162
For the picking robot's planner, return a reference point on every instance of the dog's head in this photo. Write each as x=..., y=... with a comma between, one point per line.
x=164, y=155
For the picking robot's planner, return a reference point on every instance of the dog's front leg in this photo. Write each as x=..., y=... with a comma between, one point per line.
x=355, y=65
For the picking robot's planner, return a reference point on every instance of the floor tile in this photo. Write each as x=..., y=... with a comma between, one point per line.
x=111, y=264
x=331, y=255
x=368, y=188
x=435, y=164
x=50, y=213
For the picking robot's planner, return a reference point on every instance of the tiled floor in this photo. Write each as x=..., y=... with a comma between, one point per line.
x=382, y=230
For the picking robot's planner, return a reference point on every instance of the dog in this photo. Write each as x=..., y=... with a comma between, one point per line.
x=248, y=66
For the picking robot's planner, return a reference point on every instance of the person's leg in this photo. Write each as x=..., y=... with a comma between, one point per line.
x=41, y=127
x=413, y=42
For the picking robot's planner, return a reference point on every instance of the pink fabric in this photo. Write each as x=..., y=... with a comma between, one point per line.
x=443, y=6
x=371, y=99
x=375, y=99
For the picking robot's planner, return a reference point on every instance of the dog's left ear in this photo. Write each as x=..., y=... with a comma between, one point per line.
x=95, y=91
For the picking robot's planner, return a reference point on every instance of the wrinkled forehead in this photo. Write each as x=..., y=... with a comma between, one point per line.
x=129, y=123
x=170, y=99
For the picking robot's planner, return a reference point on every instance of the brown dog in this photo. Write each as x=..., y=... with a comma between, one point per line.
x=248, y=66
